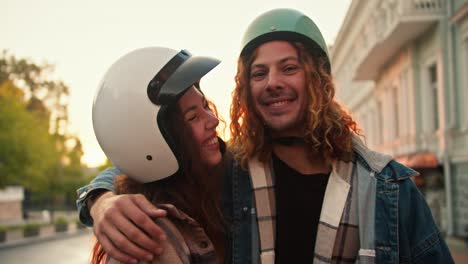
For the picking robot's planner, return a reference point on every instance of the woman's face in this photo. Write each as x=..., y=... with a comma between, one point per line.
x=202, y=122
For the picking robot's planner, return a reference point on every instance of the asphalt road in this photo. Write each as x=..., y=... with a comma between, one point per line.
x=71, y=250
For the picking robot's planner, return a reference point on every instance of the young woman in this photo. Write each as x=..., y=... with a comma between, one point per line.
x=154, y=123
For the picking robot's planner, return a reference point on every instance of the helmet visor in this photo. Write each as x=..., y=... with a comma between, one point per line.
x=180, y=73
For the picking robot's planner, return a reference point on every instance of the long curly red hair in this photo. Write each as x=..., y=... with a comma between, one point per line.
x=329, y=128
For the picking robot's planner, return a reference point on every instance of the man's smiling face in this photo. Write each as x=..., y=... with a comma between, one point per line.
x=278, y=87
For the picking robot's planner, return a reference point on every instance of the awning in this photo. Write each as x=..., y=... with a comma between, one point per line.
x=419, y=160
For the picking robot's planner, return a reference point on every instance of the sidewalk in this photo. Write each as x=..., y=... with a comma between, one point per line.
x=32, y=240
x=22, y=240
x=458, y=247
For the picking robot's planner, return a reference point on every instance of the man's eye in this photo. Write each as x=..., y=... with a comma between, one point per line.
x=257, y=74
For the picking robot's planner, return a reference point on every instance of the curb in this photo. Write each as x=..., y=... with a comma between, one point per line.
x=38, y=239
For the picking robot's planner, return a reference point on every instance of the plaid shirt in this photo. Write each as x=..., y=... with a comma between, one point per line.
x=339, y=238
x=187, y=242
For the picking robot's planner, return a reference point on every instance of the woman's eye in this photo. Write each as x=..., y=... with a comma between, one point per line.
x=290, y=68
x=191, y=118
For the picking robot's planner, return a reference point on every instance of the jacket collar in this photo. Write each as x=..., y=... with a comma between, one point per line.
x=375, y=160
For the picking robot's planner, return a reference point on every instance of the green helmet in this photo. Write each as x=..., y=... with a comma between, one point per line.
x=284, y=24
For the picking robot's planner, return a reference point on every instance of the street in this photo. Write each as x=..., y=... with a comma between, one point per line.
x=71, y=250
x=77, y=249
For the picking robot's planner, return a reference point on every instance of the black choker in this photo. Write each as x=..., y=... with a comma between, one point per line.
x=289, y=141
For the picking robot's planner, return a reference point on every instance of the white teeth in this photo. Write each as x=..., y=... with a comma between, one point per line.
x=212, y=141
x=280, y=103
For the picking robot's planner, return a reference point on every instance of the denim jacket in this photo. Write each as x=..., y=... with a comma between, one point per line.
x=402, y=224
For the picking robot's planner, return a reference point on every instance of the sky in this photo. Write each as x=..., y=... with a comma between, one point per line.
x=83, y=38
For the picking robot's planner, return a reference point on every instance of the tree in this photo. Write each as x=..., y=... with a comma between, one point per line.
x=27, y=149
x=33, y=80
x=35, y=147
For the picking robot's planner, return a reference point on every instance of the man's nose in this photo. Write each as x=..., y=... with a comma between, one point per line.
x=274, y=81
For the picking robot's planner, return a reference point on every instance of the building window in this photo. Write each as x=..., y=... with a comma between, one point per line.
x=434, y=92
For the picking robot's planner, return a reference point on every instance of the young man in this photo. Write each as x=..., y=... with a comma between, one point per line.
x=315, y=193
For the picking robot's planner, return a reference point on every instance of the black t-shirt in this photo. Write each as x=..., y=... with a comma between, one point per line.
x=299, y=200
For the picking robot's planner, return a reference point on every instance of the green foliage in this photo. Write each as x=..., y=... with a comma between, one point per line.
x=35, y=150
x=12, y=68
x=27, y=150
x=31, y=226
x=25, y=227
x=61, y=224
x=61, y=221
x=46, y=97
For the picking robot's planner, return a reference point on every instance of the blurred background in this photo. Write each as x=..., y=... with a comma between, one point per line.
x=400, y=66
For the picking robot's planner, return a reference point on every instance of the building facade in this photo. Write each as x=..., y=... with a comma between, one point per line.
x=11, y=208
x=401, y=68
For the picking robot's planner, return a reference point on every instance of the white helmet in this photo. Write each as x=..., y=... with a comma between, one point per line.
x=129, y=107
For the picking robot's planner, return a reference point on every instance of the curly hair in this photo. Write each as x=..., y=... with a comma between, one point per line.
x=329, y=128
x=194, y=188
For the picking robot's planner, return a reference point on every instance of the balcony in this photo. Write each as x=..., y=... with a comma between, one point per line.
x=390, y=26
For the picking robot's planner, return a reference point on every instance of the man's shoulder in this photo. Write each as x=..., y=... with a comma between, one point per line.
x=383, y=165
x=395, y=171
x=391, y=171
